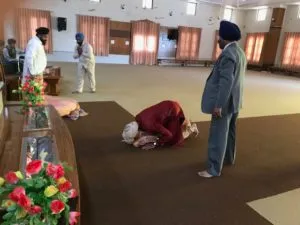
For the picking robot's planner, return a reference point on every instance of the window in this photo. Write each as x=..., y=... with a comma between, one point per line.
x=188, y=43
x=291, y=51
x=262, y=14
x=147, y=4
x=191, y=8
x=228, y=14
x=254, y=46
x=145, y=35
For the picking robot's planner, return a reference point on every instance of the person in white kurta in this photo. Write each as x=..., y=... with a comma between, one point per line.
x=35, y=61
x=86, y=64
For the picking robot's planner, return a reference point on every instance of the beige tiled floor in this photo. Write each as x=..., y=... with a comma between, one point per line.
x=280, y=209
x=136, y=87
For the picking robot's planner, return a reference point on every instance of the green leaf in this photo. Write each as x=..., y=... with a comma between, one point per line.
x=39, y=184
x=31, y=221
x=62, y=197
x=8, y=215
x=29, y=182
x=67, y=214
x=67, y=167
x=12, y=208
x=20, y=213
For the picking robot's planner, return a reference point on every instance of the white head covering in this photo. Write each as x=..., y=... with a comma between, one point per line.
x=130, y=131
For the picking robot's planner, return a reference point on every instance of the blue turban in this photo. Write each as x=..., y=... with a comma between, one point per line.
x=79, y=36
x=229, y=31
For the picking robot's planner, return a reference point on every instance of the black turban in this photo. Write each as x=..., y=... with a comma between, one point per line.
x=229, y=31
x=42, y=30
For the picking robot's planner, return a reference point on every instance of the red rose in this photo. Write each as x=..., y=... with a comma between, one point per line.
x=72, y=193
x=34, y=167
x=11, y=177
x=35, y=210
x=65, y=186
x=72, y=217
x=24, y=201
x=16, y=193
x=55, y=171
x=57, y=206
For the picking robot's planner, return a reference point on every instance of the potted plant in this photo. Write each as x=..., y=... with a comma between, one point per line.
x=38, y=197
x=33, y=92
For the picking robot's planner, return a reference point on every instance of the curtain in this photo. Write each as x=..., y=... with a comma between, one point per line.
x=145, y=36
x=291, y=51
x=1, y=29
x=217, y=51
x=96, y=31
x=188, y=43
x=27, y=21
x=254, y=46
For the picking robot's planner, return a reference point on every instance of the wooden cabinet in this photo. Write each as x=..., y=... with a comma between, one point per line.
x=120, y=35
x=13, y=134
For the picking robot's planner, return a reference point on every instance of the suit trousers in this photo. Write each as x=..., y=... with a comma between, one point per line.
x=90, y=73
x=221, y=143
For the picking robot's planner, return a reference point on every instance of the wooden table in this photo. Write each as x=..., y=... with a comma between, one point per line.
x=53, y=78
x=11, y=134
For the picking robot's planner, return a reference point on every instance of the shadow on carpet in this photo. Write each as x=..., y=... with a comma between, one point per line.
x=121, y=185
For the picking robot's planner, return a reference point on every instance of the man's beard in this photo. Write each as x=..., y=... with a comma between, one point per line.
x=79, y=43
x=44, y=42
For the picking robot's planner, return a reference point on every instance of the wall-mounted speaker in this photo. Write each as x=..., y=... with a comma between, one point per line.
x=61, y=23
x=173, y=34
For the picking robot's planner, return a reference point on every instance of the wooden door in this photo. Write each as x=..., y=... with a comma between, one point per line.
x=270, y=46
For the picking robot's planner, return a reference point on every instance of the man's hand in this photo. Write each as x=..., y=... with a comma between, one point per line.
x=217, y=112
x=145, y=140
x=149, y=146
x=79, y=50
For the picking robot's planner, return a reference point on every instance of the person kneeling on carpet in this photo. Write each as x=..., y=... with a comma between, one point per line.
x=163, y=124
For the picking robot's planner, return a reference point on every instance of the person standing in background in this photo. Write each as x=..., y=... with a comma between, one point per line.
x=11, y=63
x=222, y=98
x=35, y=61
x=86, y=64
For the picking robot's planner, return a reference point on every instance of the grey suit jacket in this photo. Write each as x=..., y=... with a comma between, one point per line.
x=224, y=86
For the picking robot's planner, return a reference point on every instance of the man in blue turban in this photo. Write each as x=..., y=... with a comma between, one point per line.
x=86, y=64
x=222, y=98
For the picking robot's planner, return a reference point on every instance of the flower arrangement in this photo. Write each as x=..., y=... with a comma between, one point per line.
x=40, y=198
x=32, y=91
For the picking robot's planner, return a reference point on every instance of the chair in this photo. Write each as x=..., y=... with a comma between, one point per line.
x=2, y=78
x=11, y=82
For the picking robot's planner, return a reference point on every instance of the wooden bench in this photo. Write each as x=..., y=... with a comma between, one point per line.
x=185, y=62
x=285, y=71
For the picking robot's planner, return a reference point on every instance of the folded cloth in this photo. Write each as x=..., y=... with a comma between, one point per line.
x=77, y=113
x=66, y=107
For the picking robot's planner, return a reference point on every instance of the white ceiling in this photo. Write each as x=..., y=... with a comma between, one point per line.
x=250, y=3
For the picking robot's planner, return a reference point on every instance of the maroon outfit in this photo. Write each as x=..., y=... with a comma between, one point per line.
x=164, y=119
